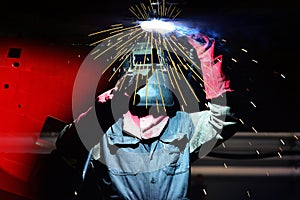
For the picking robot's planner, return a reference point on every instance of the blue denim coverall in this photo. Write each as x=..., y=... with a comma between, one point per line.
x=160, y=169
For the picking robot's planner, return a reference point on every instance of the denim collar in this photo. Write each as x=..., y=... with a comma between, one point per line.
x=116, y=135
x=172, y=131
x=174, y=127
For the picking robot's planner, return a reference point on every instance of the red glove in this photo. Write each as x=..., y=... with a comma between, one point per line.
x=215, y=82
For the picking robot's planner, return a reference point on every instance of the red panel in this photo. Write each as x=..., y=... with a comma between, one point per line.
x=40, y=86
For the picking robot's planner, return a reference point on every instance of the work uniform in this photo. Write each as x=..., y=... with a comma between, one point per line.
x=156, y=167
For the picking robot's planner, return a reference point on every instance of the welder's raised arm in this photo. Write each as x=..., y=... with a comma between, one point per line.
x=213, y=123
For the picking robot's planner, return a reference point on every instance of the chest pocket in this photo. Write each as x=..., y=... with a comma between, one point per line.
x=178, y=154
x=179, y=159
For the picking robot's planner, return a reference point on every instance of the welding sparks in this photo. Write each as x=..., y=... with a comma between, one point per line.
x=253, y=104
x=152, y=31
x=225, y=165
x=156, y=28
x=234, y=60
x=244, y=50
x=241, y=121
x=248, y=193
x=223, y=144
x=254, y=129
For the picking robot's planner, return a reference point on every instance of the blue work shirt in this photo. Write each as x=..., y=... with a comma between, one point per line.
x=159, y=170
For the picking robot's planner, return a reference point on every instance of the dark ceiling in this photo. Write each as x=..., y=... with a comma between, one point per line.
x=266, y=29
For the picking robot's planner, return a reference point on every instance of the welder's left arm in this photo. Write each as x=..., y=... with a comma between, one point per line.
x=214, y=123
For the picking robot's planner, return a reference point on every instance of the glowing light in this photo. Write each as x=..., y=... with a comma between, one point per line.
x=241, y=121
x=204, y=191
x=280, y=156
x=282, y=75
x=253, y=104
x=244, y=50
x=223, y=144
x=254, y=129
x=248, y=193
x=182, y=108
x=282, y=142
x=233, y=59
x=255, y=61
x=156, y=25
x=225, y=165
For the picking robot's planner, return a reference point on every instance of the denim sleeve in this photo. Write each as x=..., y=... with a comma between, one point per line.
x=209, y=124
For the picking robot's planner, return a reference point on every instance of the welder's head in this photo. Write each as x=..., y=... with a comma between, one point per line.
x=154, y=97
x=156, y=92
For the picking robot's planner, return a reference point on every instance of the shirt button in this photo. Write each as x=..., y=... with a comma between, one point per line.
x=153, y=180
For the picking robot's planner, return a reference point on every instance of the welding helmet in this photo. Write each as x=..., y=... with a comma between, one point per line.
x=156, y=91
